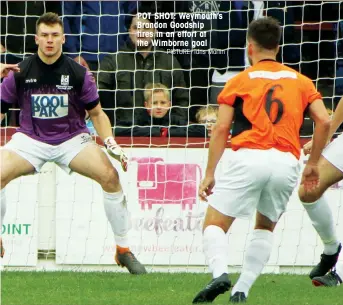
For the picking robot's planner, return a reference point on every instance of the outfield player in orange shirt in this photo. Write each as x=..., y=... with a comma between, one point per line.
x=267, y=102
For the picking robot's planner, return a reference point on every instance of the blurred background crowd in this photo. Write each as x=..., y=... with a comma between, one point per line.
x=148, y=91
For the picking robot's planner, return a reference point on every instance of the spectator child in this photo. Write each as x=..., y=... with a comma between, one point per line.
x=157, y=119
x=207, y=115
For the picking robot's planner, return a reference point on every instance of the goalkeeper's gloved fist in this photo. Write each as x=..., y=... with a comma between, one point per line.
x=116, y=152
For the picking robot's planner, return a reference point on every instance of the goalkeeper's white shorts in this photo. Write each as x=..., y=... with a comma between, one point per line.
x=334, y=152
x=253, y=179
x=38, y=153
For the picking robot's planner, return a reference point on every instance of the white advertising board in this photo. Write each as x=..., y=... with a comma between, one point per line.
x=20, y=230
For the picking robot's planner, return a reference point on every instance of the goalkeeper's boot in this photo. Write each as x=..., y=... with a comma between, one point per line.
x=127, y=259
x=214, y=288
x=238, y=297
x=331, y=279
x=327, y=262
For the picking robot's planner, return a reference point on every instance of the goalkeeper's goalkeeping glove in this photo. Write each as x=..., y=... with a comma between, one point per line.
x=116, y=152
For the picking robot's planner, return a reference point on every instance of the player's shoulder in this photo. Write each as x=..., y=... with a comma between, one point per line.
x=239, y=83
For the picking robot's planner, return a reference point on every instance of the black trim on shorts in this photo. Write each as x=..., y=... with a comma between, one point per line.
x=5, y=107
x=92, y=105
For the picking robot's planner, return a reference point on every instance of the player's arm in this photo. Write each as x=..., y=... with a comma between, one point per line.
x=219, y=137
x=8, y=94
x=89, y=96
x=337, y=119
x=103, y=128
x=321, y=119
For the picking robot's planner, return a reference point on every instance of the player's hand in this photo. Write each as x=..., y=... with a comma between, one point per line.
x=310, y=178
x=6, y=68
x=116, y=152
x=205, y=187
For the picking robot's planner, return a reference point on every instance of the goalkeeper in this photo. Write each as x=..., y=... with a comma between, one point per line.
x=330, y=168
x=53, y=92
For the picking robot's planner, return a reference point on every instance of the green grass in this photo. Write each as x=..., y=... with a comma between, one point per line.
x=69, y=288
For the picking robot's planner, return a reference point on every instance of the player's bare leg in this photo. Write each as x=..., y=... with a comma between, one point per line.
x=321, y=216
x=11, y=166
x=256, y=257
x=215, y=244
x=92, y=162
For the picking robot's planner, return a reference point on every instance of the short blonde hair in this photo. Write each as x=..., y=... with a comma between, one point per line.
x=206, y=110
x=152, y=88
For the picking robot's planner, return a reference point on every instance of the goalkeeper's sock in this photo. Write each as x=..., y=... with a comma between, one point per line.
x=256, y=257
x=118, y=216
x=322, y=220
x=3, y=205
x=122, y=243
x=216, y=250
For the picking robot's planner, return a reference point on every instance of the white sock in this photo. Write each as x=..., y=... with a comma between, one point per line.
x=3, y=206
x=216, y=250
x=339, y=270
x=118, y=216
x=256, y=257
x=322, y=220
x=122, y=241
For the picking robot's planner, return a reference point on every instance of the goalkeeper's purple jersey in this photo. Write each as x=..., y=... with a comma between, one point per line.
x=52, y=98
